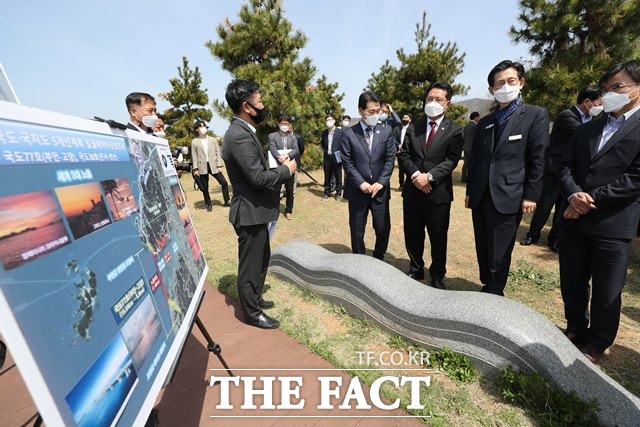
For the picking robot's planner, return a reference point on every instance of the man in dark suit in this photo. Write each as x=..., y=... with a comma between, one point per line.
x=368, y=153
x=588, y=105
x=429, y=155
x=600, y=182
x=332, y=162
x=399, y=134
x=255, y=197
x=469, y=131
x=142, y=112
x=505, y=172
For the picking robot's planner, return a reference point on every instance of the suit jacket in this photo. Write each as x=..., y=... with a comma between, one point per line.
x=361, y=165
x=511, y=167
x=611, y=177
x=275, y=144
x=256, y=189
x=441, y=159
x=469, y=132
x=397, y=134
x=563, y=127
x=199, y=158
x=335, y=143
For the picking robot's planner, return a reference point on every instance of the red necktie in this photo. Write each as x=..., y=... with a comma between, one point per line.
x=432, y=134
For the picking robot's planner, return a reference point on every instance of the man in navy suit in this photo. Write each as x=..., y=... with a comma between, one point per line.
x=332, y=162
x=368, y=153
x=429, y=156
x=505, y=172
x=588, y=105
x=600, y=182
x=255, y=198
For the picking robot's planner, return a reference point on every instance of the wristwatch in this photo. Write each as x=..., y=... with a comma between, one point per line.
x=430, y=177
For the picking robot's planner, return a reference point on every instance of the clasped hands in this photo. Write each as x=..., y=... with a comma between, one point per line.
x=580, y=203
x=422, y=183
x=372, y=189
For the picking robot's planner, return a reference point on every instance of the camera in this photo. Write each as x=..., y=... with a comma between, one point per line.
x=180, y=164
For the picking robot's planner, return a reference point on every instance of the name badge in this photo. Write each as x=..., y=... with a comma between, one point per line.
x=515, y=137
x=489, y=126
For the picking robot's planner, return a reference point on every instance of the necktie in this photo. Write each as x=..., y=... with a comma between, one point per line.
x=432, y=134
x=369, y=137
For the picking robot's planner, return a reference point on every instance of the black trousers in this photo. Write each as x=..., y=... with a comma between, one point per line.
x=204, y=185
x=288, y=193
x=550, y=197
x=418, y=215
x=495, y=235
x=401, y=174
x=381, y=221
x=253, y=260
x=603, y=260
x=332, y=169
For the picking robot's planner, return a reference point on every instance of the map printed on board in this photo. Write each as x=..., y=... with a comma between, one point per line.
x=101, y=265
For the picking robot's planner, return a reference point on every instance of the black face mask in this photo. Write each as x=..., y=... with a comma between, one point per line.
x=260, y=116
x=405, y=122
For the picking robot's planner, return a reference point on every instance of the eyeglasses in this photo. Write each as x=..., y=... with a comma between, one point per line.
x=511, y=81
x=617, y=86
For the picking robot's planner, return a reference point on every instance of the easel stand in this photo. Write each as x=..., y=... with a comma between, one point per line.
x=212, y=346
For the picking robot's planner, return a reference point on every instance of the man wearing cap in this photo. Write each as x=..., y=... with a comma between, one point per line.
x=207, y=160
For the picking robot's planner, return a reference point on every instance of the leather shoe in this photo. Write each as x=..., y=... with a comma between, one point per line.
x=265, y=322
x=554, y=246
x=226, y=204
x=416, y=275
x=208, y=208
x=437, y=283
x=528, y=241
x=338, y=197
x=263, y=303
x=577, y=340
x=592, y=353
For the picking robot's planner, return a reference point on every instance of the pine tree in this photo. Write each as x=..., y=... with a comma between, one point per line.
x=188, y=101
x=573, y=42
x=404, y=86
x=262, y=46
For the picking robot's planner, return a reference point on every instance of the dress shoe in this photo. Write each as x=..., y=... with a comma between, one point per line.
x=263, y=303
x=528, y=241
x=593, y=353
x=338, y=197
x=288, y=216
x=226, y=204
x=554, y=246
x=265, y=322
x=416, y=275
x=208, y=208
x=577, y=340
x=437, y=283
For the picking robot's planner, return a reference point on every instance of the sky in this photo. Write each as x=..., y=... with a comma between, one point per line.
x=83, y=58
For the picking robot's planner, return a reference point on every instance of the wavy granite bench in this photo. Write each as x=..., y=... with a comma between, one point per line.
x=493, y=331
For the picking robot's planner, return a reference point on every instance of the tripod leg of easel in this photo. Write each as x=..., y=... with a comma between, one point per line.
x=212, y=345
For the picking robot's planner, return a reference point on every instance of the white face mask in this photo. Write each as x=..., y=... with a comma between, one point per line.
x=202, y=130
x=330, y=123
x=383, y=117
x=371, y=120
x=149, y=121
x=284, y=128
x=345, y=123
x=433, y=109
x=595, y=110
x=160, y=134
x=507, y=93
x=614, y=102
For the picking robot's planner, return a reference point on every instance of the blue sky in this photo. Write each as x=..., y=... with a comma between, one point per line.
x=83, y=58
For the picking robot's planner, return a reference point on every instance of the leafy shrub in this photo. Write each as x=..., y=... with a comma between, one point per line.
x=455, y=365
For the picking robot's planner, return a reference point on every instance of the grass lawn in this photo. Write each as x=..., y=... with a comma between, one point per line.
x=328, y=331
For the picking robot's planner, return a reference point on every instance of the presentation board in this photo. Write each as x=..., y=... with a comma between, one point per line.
x=101, y=268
